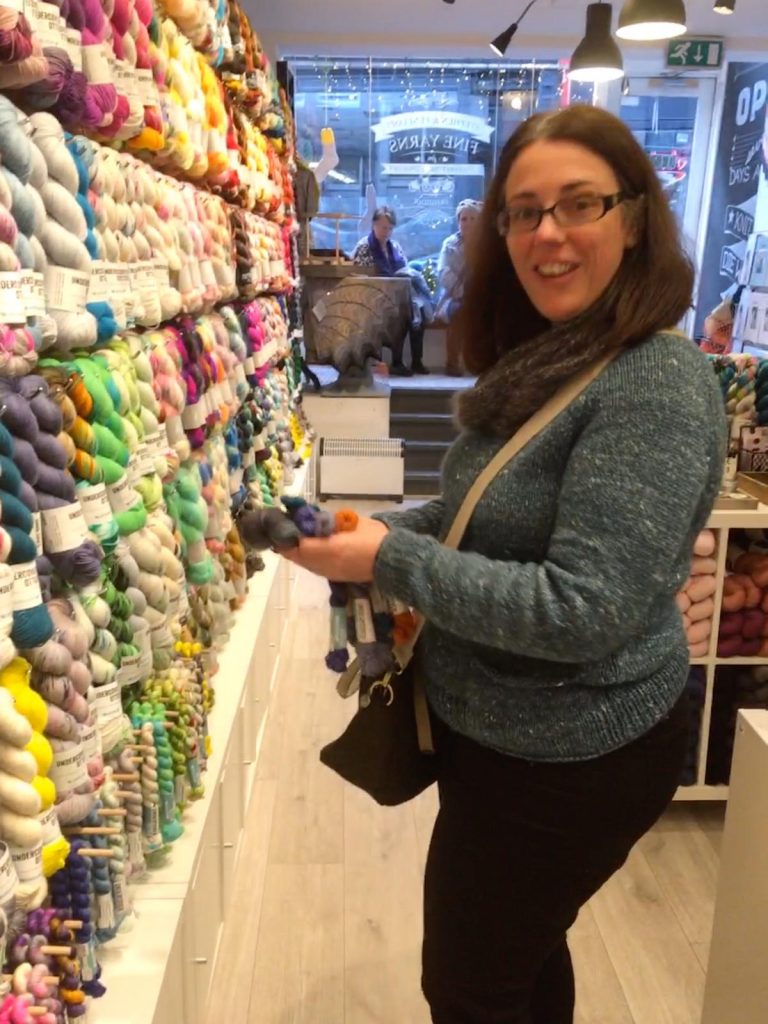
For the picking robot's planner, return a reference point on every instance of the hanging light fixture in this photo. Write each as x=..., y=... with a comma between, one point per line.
x=597, y=58
x=501, y=42
x=724, y=6
x=645, y=20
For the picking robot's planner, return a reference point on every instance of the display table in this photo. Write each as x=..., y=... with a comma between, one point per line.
x=159, y=968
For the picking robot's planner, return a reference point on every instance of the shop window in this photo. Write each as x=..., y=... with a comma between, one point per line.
x=419, y=136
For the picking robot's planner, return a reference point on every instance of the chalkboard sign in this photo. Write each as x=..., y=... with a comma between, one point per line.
x=734, y=189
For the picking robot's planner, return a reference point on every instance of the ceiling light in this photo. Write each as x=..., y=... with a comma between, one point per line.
x=724, y=6
x=645, y=20
x=501, y=42
x=597, y=58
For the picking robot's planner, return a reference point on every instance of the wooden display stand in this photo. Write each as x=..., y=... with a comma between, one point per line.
x=721, y=522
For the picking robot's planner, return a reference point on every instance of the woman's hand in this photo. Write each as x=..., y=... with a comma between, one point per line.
x=342, y=557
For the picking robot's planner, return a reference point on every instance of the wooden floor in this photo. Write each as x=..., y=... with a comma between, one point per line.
x=326, y=927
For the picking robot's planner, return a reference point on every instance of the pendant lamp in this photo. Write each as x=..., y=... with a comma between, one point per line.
x=597, y=58
x=644, y=20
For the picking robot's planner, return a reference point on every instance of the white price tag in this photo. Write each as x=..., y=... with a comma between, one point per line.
x=48, y=31
x=96, y=65
x=91, y=740
x=145, y=458
x=129, y=671
x=162, y=274
x=107, y=702
x=6, y=602
x=13, y=307
x=37, y=531
x=120, y=894
x=37, y=297
x=9, y=881
x=26, y=587
x=68, y=770
x=152, y=444
x=75, y=49
x=147, y=87
x=64, y=528
x=122, y=496
x=99, y=285
x=66, y=290
x=95, y=505
x=28, y=863
x=163, y=443
x=49, y=821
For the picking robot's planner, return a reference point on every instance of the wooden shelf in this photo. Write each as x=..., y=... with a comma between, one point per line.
x=729, y=661
x=701, y=793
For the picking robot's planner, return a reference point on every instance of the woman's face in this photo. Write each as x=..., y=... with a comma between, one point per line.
x=382, y=229
x=467, y=220
x=564, y=270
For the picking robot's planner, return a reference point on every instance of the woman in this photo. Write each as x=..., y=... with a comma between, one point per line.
x=379, y=250
x=450, y=285
x=554, y=657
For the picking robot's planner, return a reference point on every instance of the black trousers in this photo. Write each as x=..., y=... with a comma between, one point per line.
x=518, y=847
x=416, y=335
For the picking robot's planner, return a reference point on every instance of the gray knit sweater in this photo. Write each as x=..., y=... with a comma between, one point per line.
x=553, y=633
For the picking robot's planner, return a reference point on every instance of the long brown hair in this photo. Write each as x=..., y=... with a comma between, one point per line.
x=651, y=290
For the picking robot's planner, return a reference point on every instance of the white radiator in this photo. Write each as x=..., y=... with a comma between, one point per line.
x=361, y=468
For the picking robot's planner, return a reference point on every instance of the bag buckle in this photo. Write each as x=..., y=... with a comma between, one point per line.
x=386, y=686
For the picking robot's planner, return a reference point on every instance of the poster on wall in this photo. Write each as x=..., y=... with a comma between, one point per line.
x=734, y=190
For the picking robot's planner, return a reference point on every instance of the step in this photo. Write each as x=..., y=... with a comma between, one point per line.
x=418, y=399
x=422, y=426
x=425, y=455
x=422, y=484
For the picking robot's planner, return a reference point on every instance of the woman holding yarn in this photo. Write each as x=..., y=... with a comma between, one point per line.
x=379, y=250
x=451, y=271
x=554, y=658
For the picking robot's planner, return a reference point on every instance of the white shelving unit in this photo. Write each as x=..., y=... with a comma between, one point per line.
x=721, y=522
x=159, y=969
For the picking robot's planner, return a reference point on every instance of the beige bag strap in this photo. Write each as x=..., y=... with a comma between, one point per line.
x=529, y=430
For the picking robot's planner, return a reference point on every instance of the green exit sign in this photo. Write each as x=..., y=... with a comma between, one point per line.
x=694, y=53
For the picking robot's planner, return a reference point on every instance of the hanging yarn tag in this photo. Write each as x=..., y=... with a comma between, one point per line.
x=96, y=65
x=64, y=528
x=9, y=881
x=107, y=702
x=240, y=373
x=141, y=640
x=154, y=448
x=135, y=849
x=120, y=894
x=26, y=587
x=193, y=771
x=168, y=805
x=249, y=458
x=6, y=602
x=48, y=32
x=145, y=459
x=105, y=911
x=28, y=863
x=74, y=46
x=249, y=365
x=130, y=670
x=13, y=308
x=163, y=443
x=95, y=505
x=364, y=630
x=122, y=496
x=147, y=87
x=235, y=481
x=68, y=770
x=180, y=789
x=265, y=353
x=99, y=285
x=15, y=5
x=162, y=273
x=36, y=297
x=49, y=823
x=194, y=415
x=151, y=815
x=91, y=740
x=29, y=294
x=37, y=531
x=88, y=965
x=66, y=290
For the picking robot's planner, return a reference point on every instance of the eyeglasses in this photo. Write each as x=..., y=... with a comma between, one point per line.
x=570, y=212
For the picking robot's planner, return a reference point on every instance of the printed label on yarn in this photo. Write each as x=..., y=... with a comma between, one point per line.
x=37, y=531
x=49, y=823
x=265, y=353
x=99, y=285
x=194, y=415
x=89, y=737
x=13, y=308
x=249, y=365
x=64, y=528
x=96, y=65
x=145, y=458
x=162, y=274
x=68, y=770
x=34, y=304
x=154, y=448
x=66, y=290
x=125, y=80
x=130, y=670
x=163, y=444
x=9, y=881
x=364, y=629
x=26, y=587
x=47, y=26
x=249, y=458
x=119, y=894
x=95, y=505
x=107, y=702
x=15, y=5
x=37, y=297
x=75, y=49
x=28, y=863
x=151, y=820
x=147, y=87
x=122, y=496
x=168, y=806
x=235, y=481
x=6, y=603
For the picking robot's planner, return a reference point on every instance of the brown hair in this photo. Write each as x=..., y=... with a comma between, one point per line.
x=387, y=212
x=651, y=290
